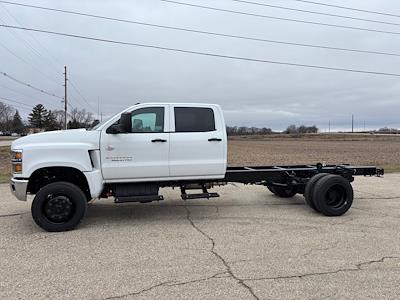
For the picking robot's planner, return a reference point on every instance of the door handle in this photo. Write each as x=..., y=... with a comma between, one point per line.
x=215, y=140
x=158, y=141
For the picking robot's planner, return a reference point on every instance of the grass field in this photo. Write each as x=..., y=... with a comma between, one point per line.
x=379, y=150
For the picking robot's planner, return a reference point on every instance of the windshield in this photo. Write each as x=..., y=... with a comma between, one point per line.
x=104, y=121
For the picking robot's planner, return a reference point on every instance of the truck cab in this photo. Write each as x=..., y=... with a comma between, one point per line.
x=129, y=156
x=164, y=142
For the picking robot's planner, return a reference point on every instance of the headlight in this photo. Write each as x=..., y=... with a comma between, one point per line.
x=16, y=161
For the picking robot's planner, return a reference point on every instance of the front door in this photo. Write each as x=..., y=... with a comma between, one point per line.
x=141, y=154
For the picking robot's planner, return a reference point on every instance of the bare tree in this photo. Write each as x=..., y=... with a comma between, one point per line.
x=6, y=116
x=80, y=118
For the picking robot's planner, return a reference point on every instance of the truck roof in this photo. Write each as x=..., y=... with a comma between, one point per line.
x=177, y=103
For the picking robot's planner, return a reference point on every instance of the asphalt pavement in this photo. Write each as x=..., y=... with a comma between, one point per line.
x=247, y=244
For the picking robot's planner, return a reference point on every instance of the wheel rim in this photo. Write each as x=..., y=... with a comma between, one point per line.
x=58, y=208
x=336, y=196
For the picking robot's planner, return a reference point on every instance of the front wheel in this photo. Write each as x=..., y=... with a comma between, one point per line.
x=59, y=206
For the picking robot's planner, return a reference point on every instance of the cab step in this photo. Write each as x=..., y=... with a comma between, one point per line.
x=202, y=187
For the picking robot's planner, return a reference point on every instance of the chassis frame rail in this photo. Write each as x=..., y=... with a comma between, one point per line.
x=288, y=175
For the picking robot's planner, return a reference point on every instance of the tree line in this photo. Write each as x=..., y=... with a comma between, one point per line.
x=42, y=119
x=291, y=129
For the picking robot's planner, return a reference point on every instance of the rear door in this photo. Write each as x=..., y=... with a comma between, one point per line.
x=197, y=142
x=141, y=154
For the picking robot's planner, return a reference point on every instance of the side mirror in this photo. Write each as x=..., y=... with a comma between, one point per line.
x=126, y=122
x=124, y=125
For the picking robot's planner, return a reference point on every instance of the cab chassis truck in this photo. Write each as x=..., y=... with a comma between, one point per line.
x=150, y=146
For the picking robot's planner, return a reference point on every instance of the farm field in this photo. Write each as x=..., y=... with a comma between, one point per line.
x=380, y=150
x=377, y=150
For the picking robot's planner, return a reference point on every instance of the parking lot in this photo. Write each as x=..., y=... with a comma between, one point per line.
x=246, y=244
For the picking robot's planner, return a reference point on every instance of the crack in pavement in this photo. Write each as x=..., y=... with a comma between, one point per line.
x=320, y=249
x=344, y=221
x=263, y=221
x=325, y=297
x=217, y=210
x=13, y=215
x=358, y=267
x=374, y=213
x=170, y=283
x=375, y=196
x=139, y=292
x=217, y=255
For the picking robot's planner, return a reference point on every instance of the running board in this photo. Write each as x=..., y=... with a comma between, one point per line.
x=141, y=199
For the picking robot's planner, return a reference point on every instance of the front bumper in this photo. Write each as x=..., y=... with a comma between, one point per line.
x=18, y=188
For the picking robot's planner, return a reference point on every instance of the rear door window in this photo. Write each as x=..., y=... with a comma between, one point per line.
x=194, y=119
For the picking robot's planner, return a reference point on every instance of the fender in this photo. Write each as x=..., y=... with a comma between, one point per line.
x=74, y=155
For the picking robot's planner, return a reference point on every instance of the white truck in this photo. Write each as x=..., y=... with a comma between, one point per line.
x=149, y=146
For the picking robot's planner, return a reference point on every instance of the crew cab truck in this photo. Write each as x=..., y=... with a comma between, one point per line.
x=149, y=146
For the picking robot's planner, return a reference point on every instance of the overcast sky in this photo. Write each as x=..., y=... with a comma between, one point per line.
x=251, y=94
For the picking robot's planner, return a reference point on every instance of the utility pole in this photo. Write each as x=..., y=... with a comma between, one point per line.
x=329, y=126
x=352, y=123
x=65, y=98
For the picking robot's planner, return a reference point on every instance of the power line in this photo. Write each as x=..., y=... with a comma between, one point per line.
x=52, y=64
x=349, y=8
x=14, y=101
x=19, y=107
x=27, y=84
x=30, y=46
x=204, y=53
x=316, y=12
x=25, y=61
x=46, y=101
x=80, y=94
x=185, y=29
x=14, y=90
x=278, y=18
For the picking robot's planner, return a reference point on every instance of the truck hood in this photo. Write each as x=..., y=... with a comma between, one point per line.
x=90, y=139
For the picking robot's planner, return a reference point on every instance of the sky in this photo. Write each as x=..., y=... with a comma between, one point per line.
x=112, y=77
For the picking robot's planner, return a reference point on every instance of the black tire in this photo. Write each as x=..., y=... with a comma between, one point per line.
x=59, y=206
x=333, y=195
x=283, y=192
x=308, y=192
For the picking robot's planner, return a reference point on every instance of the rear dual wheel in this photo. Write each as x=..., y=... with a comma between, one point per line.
x=331, y=195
